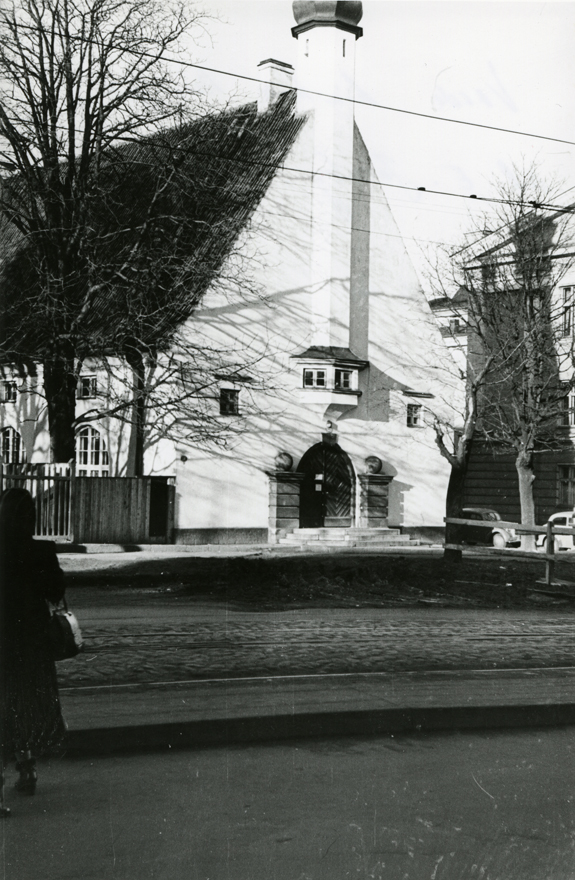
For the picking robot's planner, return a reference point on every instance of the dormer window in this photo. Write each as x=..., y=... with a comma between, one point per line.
x=314, y=379
x=329, y=375
x=330, y=378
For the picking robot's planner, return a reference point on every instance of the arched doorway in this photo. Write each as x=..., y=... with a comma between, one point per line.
x=327, y=492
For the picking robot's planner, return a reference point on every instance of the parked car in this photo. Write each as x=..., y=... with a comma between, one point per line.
x=562, y=542
x=498, y=536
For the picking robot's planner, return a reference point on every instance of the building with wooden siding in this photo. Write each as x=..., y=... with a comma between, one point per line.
x=492, y=479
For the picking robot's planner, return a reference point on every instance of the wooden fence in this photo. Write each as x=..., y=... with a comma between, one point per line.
x=549, y=530
x=102, y=510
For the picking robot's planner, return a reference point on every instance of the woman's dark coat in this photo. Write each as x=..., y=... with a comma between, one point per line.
x=31, y=718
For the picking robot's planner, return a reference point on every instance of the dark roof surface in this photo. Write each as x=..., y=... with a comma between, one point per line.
x=329, y=353
x=207, y=176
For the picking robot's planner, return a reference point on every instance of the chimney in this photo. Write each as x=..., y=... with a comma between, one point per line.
x=278, y=79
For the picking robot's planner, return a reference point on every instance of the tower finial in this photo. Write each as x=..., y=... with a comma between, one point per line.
x=342, y=14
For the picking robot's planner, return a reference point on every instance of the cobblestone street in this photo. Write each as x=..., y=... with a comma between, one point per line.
x=135, y=640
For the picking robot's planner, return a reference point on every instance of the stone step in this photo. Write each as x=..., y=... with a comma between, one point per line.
x=339, y=538
x=381, y=539
x=322, y=546
x=337, y=533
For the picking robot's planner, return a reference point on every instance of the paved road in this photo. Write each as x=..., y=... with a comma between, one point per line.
x=139, y=638
x=481, y=806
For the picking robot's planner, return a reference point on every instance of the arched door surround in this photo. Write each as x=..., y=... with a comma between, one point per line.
x=327, y=496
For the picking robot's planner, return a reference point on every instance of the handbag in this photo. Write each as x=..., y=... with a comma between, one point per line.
x=64, y=633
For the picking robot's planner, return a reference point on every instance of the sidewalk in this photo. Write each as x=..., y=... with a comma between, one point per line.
x=108, y=719
x=223, y=710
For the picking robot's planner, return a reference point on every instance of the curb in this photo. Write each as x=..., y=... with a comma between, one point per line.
x=238, y=731
x=230, y=711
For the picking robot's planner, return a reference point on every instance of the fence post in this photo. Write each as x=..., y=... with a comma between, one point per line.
x=550, y=561
x=72, y=500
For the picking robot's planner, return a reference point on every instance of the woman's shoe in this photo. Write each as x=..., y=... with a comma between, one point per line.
x=26, y=782
x=4, y=810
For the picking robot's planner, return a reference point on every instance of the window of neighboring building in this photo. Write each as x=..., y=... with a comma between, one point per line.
x=229, y=402
x=314, y=378
x=566, y=485
x=567, y=415
x=343, y=380
x=455, y=326
x=87, y=387
x=9, y=391
x=92, y=458
x=12, y=448
x=567, y=311
x=414, y=412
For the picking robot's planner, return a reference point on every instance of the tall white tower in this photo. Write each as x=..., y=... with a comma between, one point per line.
x=327, y=33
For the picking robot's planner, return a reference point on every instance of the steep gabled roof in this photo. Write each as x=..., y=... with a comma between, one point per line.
x=181, y=198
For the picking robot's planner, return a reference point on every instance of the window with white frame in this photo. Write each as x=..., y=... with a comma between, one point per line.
x=92, y=458
x=12, y=447
x=9, y=391
x=414, y=415
x=87, y=387
x=314, y=378
x=343, y=380
x=566, y=485
x=567, y=310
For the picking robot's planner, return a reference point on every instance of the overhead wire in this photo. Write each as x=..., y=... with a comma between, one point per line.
x=373, y=104
x=356, y=101
x=446, y=193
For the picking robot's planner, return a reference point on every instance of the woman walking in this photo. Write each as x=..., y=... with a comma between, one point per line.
x=31, y=722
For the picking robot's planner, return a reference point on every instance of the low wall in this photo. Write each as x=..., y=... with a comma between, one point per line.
x=221, y=536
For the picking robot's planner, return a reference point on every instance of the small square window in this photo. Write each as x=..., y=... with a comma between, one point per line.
x=9, y=392
x=414, y=415
x=87, y=387
x=343, y=380
x=229, y=402
x=314, y=378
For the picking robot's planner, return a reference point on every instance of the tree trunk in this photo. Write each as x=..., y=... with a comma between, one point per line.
x=453, y=507
x=524, y=466
x=135, y=466
x=60, y=385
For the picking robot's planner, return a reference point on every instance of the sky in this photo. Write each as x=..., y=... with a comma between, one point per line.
x=501, y=64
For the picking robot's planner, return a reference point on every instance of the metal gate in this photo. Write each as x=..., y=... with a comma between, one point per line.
x=50, y=485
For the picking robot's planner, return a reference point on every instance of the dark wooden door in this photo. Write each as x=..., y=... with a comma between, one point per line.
x=327, y=489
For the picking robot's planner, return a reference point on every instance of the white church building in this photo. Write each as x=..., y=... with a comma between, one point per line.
x=336, y=428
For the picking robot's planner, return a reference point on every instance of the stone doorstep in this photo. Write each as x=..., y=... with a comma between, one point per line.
x=339, y=538
x=352, y=530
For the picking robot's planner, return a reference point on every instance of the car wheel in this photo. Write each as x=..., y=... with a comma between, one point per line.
x=499, y=541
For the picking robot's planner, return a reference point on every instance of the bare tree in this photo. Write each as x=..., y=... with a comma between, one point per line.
x=113, y=234
x=77, y=77
x=519, y=360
